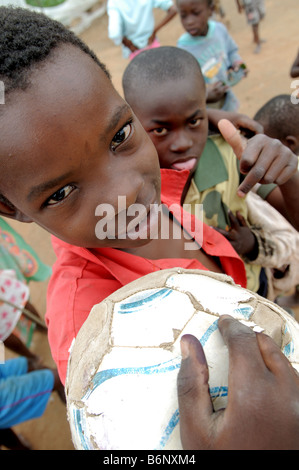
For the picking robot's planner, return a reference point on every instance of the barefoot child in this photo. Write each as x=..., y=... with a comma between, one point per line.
x=215, y=50
x=69, y=145
x=255, y=12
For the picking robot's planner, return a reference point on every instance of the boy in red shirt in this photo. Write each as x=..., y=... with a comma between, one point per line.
x=78, y=150
x=66, y=160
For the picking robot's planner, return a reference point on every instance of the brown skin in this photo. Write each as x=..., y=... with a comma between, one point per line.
x=63, y=155
x=290, y=141
x=67, y=158
x=241, y=237
x=265, y=160
x=263, y=398
x=175, y=118
x=168, y=17
x=194, y=15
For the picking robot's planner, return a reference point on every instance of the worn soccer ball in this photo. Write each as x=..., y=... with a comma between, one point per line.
x=121, y=382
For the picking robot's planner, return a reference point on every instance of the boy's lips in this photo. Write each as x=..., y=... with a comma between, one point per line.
x=147, y=225
x=185, y=165
x=193, y=32
x=144, y=221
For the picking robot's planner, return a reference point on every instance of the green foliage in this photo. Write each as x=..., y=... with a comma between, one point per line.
x=44, y=3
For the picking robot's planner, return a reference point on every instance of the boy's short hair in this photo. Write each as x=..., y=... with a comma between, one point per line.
x=155, y=66
x=26, y=39
x=279, y=116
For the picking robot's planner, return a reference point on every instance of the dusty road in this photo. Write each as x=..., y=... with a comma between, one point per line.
x=268, y=76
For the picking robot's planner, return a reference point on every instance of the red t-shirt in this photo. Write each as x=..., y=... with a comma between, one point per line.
x=82, y=278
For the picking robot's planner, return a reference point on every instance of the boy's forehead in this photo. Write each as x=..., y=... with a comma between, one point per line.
x=69, y=80
x=70, y=71
x=156, y=95
x=67, y=75
x=66, y=92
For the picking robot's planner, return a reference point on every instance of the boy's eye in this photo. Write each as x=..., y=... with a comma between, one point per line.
x=160, y=131
x=194, y=122
x=121, y=136
x=60, y=195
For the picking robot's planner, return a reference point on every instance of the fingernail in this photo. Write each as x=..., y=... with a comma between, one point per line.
x=185, y=350
x=190, y=346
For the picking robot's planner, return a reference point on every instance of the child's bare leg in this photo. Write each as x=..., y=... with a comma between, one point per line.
x=256, y=38
x=13, y=441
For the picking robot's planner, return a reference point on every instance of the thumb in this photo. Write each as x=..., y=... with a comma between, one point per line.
x=194, y=399
x=232, y=136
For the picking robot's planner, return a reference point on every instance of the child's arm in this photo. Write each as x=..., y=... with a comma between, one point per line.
x=241, y=237
x=263, y=396
x=115, y=27
x=16, y=345
x=239, y=6
x=265, y=160
x=232, y=50
x=171, y=12
x=129, y=44
x=295, y=67
x=215, y=91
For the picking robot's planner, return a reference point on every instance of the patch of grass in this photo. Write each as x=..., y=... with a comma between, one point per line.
x=44, y=3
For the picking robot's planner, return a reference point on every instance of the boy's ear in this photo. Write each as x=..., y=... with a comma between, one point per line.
x=9, y=210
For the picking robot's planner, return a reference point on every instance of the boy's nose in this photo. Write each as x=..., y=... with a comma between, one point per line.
x=181, y=142
x=188, y=21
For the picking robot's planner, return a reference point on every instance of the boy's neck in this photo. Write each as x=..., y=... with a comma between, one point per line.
x=204, y=34
x=173, y=247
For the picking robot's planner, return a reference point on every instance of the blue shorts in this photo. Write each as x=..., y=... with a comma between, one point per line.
x=23, y=395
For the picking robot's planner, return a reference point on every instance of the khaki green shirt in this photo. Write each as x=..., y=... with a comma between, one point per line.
x=214, y=185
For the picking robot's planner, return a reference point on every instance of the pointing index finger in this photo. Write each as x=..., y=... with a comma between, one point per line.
x=232, y=136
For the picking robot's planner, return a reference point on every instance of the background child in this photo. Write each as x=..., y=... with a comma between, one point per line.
x=176, y=121
x=280, y=119
x=91, y=149
x=215, y=50
x=132, y=23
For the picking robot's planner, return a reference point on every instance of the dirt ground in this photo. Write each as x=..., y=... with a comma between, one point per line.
x=268, y=76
